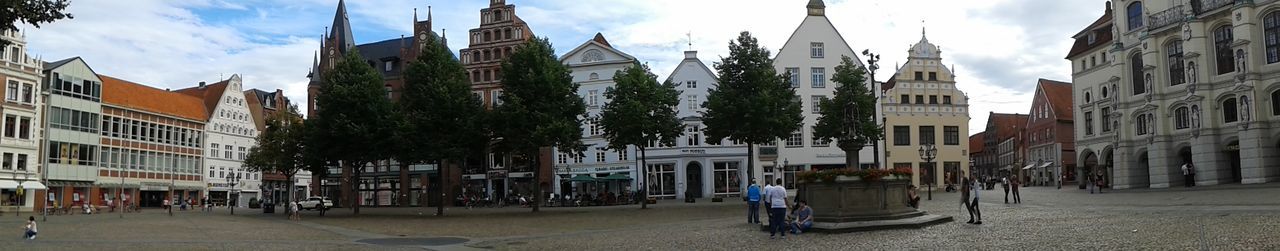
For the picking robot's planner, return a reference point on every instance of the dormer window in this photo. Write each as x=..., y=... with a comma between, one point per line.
x=1093, y=37
x=388, y=65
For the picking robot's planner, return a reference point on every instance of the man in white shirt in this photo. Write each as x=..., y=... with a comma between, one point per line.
x=764, y=197
x=777, y=209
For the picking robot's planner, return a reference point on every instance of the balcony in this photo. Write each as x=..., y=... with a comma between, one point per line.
x=1204, y=6
x=768, y=151
x=1165, y=18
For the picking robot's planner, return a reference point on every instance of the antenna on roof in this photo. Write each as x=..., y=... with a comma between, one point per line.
x=690, y=35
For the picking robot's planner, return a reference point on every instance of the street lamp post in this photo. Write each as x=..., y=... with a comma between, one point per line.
x=928, y=152
x=232, y=180
x=44, y=111
x=873, y=65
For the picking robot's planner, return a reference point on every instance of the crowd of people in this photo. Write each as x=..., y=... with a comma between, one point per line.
x=774, y=197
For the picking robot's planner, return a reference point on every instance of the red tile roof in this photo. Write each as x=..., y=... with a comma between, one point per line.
x=210, y=94
x=141, y=97
x=1101, y=29
x=1007, y=125
x=600, y=39
x=1059, y=96
x=976, y=143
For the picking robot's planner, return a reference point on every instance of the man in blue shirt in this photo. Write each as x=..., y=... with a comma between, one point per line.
x=753, y=203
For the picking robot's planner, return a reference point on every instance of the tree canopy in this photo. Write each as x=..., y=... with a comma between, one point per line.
x=32, y=12
x=540, y=106
x=640, y=111
x=853, y=107
x=751, y=103
x=353, y=122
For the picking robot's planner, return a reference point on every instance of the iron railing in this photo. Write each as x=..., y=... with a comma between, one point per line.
x=1204, y=6
x=1165, y=18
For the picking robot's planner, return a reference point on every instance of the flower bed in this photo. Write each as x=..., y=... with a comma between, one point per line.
x=874, y=174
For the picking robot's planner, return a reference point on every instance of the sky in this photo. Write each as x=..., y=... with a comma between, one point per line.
x=997, y=48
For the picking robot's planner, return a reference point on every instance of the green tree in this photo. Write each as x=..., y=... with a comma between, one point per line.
x=640, y=111
x=441, y=121
x=279, y=148
x=751, y=103
x=32, y=12
x=853, y=107
x=354, y=119
x=540, y=107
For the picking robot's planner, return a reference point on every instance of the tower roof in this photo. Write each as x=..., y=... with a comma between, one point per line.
x=600, y=39
x=924, y=48
x=341, y=28
x=817, y=8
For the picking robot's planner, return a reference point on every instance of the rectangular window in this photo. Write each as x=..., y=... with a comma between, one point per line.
x=901, y=135
x=1106, y=119
x=242, y=153
x=946, y=99
x=933, y=99
x=388, y=65
x=227, y=154
x=8, y=161
x=819, y=76
x=562, y=158
x=693, y=102
x=622, y=155
x=919, y=99
x=816, y=50
x=927, y=135
x=26, y=93
x=796, y=139
x=820, y=141
x=951, y=135
x=817, y=103
x=213, y=150
x=919, y=76
x=1088, y=123
x=906, y=99
x=24, y=128
x=591, y=98
x=933, y=76
x=10, y=126
x=794, y=74
x=22, y=162
x=11, y=93
x=599, y=156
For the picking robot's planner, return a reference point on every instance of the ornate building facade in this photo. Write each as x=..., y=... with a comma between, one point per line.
x=594, y=64
x=1171, y=83
x=923, y=100
x=21, y=75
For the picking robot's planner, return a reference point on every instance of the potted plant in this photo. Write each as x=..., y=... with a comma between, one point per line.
x=253, y=203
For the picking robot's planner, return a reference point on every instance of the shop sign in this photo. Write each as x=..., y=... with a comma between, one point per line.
x=615, y=168
x=693, y=151
x=497, y=174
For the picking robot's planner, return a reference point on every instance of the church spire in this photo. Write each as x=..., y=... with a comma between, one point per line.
x=341, y=29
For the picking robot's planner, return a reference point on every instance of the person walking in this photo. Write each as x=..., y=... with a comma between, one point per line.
x=768, y=202
x=1014, y=184
x=965, y=188
x=778, y=209
x=30, y=229
x=753, y=203
x=1004, y=183
x=977, y=212
x=1186, y=176
x=1191, y=170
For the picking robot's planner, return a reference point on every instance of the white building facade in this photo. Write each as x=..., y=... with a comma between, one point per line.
x=594, y=64
x=21, y=137
x=695, y=167
x=1167, y=83
x=230, y=133
x=811, y=56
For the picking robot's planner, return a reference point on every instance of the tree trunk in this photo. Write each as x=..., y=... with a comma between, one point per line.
x=356, y=170
x=440, y=206
x=537, y=181
x=289, y=194
x=644, y=197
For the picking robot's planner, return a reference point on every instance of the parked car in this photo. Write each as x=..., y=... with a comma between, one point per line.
x=316, y=202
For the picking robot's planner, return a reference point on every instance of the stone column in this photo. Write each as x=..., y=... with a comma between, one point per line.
x=1163, y=172
x=1206, y=153
x=1257, y=152
x=1128, y=174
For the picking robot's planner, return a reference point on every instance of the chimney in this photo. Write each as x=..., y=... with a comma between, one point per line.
x=201, y=84
x=691, y=55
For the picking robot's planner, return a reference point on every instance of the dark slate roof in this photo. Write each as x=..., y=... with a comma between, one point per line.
x=59, y=63
x=390, y=49
x=341, y=27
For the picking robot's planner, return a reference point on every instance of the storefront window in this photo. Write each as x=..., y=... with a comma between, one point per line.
x=662, y=180
x=789, y=176
x=726, y=178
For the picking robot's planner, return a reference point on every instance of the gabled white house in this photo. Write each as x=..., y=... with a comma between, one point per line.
x=593, y=64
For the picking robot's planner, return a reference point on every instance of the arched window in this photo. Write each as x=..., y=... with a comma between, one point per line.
x=475, y=56
x=1275, y=102
x=1134, y=12
x=1135, y=66
x=1087, y=98
x=487, y=55
x=1142, y=125
x=1177, y=74
x=1222, y=47
x=488, y=36
x=506, y=33
x=497, y=15
x=475, y=76
x=1271, y=33
x=1105, y=92
x=1229, y=113
x=1182, y=118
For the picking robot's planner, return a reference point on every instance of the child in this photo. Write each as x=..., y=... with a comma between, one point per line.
x=31, y=228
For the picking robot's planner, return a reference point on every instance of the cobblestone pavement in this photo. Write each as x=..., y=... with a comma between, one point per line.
x=1227, y=217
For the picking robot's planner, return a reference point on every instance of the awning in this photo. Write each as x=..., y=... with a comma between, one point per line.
x=1046, y=164
x=1028, y=166
x=8, y=184
x=33, y=185
x=582, y=178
